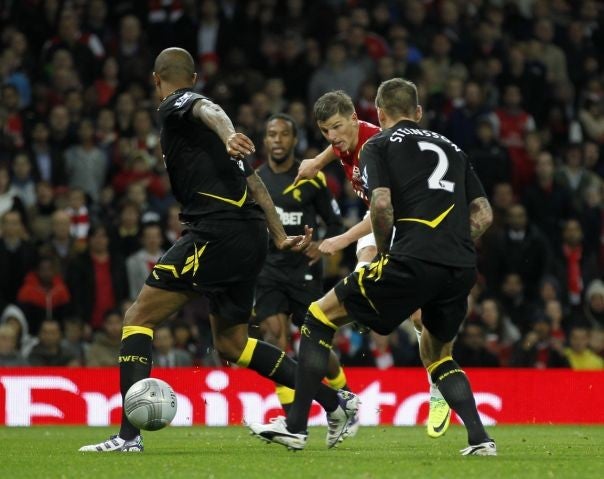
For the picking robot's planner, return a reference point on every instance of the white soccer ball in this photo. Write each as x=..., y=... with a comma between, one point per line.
x=150, y=404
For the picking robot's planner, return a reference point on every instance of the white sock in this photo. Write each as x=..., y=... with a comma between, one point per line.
x=434, y=392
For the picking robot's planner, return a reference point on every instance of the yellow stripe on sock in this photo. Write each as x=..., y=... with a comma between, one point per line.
x=433, y=366
x=318, y=313
x=285, y=394
x=339, y=381
x=130, y=330
x=248, y=352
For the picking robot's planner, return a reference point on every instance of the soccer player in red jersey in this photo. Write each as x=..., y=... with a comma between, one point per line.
x=337, y=119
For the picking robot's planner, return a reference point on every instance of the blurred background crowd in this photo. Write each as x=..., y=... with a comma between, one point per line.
x=86, y=207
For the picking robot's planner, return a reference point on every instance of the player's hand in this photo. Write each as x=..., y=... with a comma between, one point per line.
x=333, y=245
x=306, y=170
x=238, y=145
x=296, y=243
x=313, y=253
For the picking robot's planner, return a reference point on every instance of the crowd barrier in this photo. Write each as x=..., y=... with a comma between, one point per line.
x=219, y=397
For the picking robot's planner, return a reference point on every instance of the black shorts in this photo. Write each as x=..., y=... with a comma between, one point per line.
x=220, y=259
x=274, y=296
x=384, y=293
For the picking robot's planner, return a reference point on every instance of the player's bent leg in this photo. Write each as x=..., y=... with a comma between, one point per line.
x=439, y=413
x=323, y=318
x=455, y=388
x=152, y=306
x=275, y=328
x=234, y=345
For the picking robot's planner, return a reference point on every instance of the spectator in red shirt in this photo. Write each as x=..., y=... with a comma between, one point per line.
x=512, y=122
x=97, y=279
x=138, y=171
x=538, y=349
x=106, y=86
x=43, y=295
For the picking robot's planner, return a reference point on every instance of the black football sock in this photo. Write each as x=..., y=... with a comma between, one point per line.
x=455, y=388
x=135, y=364
x=274, y=364
x=315, y=346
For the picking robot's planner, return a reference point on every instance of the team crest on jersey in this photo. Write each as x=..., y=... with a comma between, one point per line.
x=183, y=99
x=359, y=182
x=364, y=177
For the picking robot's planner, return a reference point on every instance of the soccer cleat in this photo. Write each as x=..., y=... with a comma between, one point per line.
x=483, y=449
x=276, y=431
x=353, y=427
x=116, y=444
x=343, y=422
x=439, y=417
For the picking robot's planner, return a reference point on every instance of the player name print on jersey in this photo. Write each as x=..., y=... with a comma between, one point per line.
x=400, y=133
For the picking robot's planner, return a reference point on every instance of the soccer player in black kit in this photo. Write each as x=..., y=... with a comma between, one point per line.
x=423, y=188
x=227, y=210
x=290, y=281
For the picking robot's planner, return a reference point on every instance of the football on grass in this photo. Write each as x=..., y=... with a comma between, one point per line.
x=150, y=404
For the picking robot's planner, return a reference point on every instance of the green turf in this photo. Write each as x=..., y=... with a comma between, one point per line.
x=377, y=452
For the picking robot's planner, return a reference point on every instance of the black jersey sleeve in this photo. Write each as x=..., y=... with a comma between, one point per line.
x=182, y=105
x=474, y=188
x=374, y=170
x=328, y=210
x=246, y=168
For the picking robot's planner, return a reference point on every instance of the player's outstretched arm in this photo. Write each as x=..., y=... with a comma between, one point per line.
x=237, y=144
x=275, y=228
x=382, y=218
x=339, y=242
x=481, y=216
x=309, y=168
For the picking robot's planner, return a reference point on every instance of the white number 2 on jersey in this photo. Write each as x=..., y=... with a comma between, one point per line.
x=436, y=182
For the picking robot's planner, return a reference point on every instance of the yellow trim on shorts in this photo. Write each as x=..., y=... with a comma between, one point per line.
x=284, y=394
x=319, y=315
x=433, y=366
x=361, y=273
x=248, y=352
x=130, y=330
x=339, y=381
x=167, y=267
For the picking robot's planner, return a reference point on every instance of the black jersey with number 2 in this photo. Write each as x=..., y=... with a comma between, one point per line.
x=205, y=179
x=431, y=183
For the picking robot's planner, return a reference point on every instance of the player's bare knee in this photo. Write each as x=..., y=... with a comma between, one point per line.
x=367, y=253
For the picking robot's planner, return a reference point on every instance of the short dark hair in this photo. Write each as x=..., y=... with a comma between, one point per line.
x=287, y=118
x=174, y=64
x=333, y=103
x=397, y=97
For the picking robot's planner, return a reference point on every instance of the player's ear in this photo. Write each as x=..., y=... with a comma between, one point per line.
x=354, y=117
x=419, y=112
x=381, y=116
x=156, y=80
x=194, y=78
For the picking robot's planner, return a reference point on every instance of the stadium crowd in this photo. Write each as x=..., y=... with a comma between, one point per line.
x=85, y=202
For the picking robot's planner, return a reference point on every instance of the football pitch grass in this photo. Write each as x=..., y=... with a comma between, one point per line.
x=377, y=452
